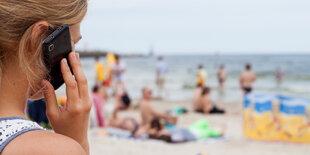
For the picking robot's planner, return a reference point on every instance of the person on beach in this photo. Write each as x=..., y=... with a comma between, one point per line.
x=100, y=96
x=201, y=75
x=161, y=69
x=99, y=71
x=221, y=76
x=126, y=123
x=247, y=78
x=203, y=103
x=118, y=69
x=147, y=111
x=24, y=26
x=137, y=129
x=122, y=99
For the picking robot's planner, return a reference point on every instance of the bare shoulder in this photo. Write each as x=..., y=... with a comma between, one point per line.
x=43, y=142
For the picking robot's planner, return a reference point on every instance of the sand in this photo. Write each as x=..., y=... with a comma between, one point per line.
x=234, y=142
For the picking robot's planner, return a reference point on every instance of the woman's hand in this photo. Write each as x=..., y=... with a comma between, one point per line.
x=71, y=119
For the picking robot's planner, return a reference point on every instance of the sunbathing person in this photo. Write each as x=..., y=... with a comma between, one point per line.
x=148, y=113
x=203, y=102
x=200, y=129
x=127, y=123
x=136, y=128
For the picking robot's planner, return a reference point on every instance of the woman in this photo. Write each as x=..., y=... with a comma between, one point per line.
x=203, y=103
x=24, y=25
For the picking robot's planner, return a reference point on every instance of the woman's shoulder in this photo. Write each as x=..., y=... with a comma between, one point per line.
x=43, y=142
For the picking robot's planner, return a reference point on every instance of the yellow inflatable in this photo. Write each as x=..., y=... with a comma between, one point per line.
x=276, y=118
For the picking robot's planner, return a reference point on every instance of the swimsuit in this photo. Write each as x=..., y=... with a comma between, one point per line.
x=11, y=127
x=135, y=124
x=214, y=110
x=247, y=89
x=221, y=80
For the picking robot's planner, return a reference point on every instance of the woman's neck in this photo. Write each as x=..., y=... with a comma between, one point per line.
x=13, y=92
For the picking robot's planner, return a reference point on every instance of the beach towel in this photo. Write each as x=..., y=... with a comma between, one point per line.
x=202, y=130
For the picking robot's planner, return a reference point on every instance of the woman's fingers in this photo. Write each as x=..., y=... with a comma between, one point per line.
x=52, y=109
x=71, y=84
x=79, y=75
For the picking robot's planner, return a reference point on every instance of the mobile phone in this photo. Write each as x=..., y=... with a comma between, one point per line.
x=56, y=47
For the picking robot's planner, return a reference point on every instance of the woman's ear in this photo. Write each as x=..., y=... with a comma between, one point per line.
x=39, y=32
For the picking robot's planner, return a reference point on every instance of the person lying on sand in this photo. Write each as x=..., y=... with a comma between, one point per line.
x=202, y=101
x=200, y=129
x=127, y=123
x=148, y=113
x=137, y=129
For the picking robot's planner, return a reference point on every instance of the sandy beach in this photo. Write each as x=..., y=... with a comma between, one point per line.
x=233, y=143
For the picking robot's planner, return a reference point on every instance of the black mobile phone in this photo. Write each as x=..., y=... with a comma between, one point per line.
x=56, y=47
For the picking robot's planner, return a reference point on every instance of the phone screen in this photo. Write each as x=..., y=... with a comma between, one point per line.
x=56, y=47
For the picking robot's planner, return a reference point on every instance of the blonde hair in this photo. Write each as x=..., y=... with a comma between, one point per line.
x=17, y=21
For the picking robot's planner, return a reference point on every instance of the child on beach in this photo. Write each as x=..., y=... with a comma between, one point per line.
x=99, y=98
x=24, y=26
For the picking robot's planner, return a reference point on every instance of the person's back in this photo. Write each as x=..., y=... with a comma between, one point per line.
x=204, y=101
x=22, y=76
x=247, y=78
x=146, y=112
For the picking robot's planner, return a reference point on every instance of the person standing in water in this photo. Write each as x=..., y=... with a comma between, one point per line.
x=99, y=71
x=161, y=70
x=221, y=76
x=118, y=70
x=247, y=78
x=201, y=75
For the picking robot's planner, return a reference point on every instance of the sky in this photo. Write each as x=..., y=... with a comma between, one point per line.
x=197, y=26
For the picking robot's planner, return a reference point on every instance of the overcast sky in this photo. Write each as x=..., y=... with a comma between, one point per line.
x=197, y=26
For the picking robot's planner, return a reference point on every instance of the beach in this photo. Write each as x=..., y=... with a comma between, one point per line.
x=180, y=84
x=233, y=143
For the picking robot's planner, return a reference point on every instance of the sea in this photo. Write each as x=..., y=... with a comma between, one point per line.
x=181, y=75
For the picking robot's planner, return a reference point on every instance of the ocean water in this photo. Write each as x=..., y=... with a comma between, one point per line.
x=181, y=76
